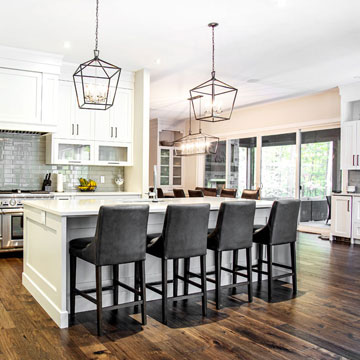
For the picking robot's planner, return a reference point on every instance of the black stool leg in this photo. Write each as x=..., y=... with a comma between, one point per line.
x=164, y=290
x=99, y=300
x=260, y=258
x=175, y=276
x=116, y=287
x=218, y=279
x=249, y=273
x=269, y=254
x=293, y=266
x=72, y=285
x=143, y=291
x=137, y=276
x=186, y=275
x=203, y=284
x=235, y=263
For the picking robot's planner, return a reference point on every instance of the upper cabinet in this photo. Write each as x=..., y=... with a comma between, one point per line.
x=350, y=145
x=108, y=133
x=114, y=124
x=28, y=90
x=74, y=123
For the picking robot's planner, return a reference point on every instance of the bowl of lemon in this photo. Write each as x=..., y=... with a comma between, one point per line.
x=87, y=185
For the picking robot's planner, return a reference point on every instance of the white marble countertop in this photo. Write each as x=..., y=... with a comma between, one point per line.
x=89, y=207
x=95, y=193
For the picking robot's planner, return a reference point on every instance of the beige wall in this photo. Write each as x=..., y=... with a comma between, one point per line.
x=306, y=112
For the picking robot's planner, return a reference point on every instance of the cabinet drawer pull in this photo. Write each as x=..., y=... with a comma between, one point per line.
x=113, y=162
x=357, y=160
x=77, y=129
x=72, y=129
x=112, y=131
x=116, y=136
x=348, y=205
x=75, y=161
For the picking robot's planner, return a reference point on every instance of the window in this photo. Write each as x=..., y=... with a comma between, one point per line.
x=241, y=172
x=278, y=166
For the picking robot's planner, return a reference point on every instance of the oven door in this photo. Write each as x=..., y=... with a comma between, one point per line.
x=12, y=228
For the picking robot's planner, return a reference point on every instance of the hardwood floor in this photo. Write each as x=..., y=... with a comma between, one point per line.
x=322, y=322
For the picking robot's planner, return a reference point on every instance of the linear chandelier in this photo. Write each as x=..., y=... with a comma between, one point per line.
x=196, y=143
x=218, y=97
x=96, y=80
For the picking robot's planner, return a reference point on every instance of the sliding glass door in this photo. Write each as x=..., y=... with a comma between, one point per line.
x=320, y=163
x=241, y=167
x=278, y=166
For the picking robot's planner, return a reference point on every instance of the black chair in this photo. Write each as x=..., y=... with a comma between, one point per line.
x=120, y=238
x=195, y=193
x=184, y=236
x=179, y=193
x=328, y=201
x=160, y=192
x=280, y=229
x=208, y=191
x=251, y=194
x=230, y=193
x=234, y=231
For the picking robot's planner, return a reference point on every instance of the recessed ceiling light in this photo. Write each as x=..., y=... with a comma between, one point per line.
x=158, y=61
x=251, y=81
x=357, y=77
x=281, y=3
x=67, y=45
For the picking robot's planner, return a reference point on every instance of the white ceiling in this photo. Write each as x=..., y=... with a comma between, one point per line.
x=289, y=46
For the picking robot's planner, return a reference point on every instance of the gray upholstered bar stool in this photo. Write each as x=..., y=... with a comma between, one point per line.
x=120, y=238
x=280, y=229
x=184, y=236
x=233, y=232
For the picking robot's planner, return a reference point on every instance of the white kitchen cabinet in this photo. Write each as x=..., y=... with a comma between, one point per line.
x=70, y=152
x=113, y=154
x=27, y=100
x=356, y=217
x=341, y=216
x=170, y=169
x=350, y=145
x=116, y=123
x=74, y=123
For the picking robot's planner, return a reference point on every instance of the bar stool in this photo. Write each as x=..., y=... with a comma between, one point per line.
x=280, y=229
x=120, y=238
x=184, y=236
x=179, y=193
x=195, y=193
x=234, y=231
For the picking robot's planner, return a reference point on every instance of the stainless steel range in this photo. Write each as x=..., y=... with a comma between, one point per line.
x=11, y=216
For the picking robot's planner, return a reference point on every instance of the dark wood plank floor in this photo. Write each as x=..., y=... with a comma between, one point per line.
x=321, y=323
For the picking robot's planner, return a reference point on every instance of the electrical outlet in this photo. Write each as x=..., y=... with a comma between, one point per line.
x=102, y=179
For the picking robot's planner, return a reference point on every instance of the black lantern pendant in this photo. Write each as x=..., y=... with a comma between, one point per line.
x=218, y=97
x=196, y=143
x=96, y=80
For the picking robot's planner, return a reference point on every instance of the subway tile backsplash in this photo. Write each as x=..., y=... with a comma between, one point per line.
x=22, y=166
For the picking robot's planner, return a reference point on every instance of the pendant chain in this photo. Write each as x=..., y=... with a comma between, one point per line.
x=213, y=49
x=97, y=25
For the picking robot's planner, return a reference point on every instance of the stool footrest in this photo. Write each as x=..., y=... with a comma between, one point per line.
x=129, y=288
x=234, y=272
x=189, y=281
x=85, y=295
x=153, y=288
x=124, y=305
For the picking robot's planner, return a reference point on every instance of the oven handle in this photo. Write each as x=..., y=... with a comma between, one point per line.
x=12, y=211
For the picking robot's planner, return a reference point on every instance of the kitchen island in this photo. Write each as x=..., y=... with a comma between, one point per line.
x=49, y=225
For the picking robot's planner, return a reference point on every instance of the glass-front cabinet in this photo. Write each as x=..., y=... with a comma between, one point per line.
x=107, y=154
x=170, y=172
x=71, y=152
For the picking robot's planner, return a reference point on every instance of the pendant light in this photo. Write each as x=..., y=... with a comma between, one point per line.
x=196, y=143
x=218, y=97
x=96, y=80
